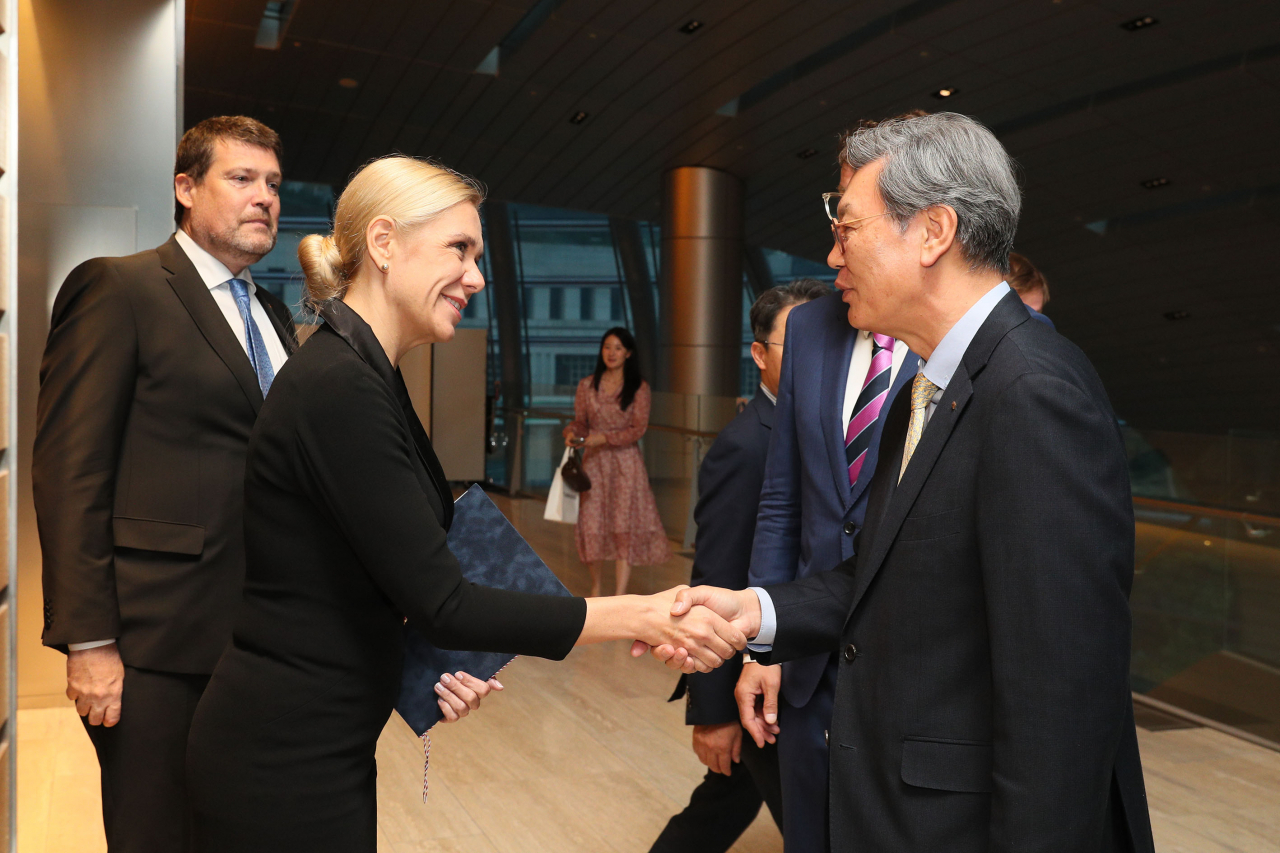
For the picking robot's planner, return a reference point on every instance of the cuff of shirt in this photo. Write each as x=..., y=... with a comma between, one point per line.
x=763, y=641
x=79, y=647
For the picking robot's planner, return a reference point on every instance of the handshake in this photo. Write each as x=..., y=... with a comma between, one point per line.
x=695, y=629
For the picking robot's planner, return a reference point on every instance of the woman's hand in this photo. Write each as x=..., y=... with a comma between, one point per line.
x=740, y=607
x=596, y=439
x=460, y=694
x=704, y=639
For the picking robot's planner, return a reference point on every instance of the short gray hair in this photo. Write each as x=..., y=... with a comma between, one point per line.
x=945, y=158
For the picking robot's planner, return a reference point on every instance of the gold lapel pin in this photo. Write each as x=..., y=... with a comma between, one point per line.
x=953, y=405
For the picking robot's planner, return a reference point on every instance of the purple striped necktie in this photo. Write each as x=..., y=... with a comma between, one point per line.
x=875, y=389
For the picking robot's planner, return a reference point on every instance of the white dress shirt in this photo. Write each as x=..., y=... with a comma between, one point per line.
x=939, y=369
x=217, y=278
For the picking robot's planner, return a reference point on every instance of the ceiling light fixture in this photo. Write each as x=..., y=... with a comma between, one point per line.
x=807, y=153
x=691, y=27
x=1155, y=183
x=945, y=92
x=579, y=117
x=1139, y=23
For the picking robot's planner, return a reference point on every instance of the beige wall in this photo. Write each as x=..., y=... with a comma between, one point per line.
x=100, y=105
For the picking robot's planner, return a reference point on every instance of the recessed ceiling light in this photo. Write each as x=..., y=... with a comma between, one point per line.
x=945, y=92
x=1139, y=23
x=578, y=118
x=807, y=153
x=1176, y=315
x=691, y=27
x=1155, y=183
x=348, y=83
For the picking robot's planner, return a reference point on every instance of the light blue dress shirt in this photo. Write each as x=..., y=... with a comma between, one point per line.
x=939, y=369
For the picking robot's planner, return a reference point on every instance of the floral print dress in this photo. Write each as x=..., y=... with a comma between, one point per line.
x=618, y=518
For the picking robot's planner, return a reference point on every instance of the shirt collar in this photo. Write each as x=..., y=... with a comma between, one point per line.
x=946, y=357
x=213, y=272
x=772, y=397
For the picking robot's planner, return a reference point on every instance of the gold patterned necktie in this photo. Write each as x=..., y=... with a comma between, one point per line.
x=922, y=391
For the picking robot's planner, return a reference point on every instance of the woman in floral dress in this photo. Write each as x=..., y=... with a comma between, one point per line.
x=618, y=518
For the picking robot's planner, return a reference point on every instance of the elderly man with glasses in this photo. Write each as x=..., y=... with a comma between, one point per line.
x=835, y=381
x=983, y=701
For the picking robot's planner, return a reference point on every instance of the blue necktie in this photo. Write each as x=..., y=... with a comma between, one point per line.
x=256, y=347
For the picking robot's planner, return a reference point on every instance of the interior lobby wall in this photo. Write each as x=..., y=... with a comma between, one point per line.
x=100, y=88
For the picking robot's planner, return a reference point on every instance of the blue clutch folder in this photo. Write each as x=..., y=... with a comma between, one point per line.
x=491, y=553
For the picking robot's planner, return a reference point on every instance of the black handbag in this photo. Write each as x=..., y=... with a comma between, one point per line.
x=573, y=475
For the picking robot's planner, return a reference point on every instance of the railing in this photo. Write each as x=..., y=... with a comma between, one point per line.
x=1206, y=590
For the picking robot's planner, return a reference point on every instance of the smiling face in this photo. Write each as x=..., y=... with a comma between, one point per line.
x=879, y=264
x=233, y=211
x=434, y=272
x=614, y=353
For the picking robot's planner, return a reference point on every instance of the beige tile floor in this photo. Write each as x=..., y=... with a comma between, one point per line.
x=587, y=756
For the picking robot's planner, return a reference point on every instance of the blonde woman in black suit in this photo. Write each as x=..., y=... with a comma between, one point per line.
x=347, y=510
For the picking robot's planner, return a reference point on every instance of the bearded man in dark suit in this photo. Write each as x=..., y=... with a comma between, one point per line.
x=982, y=699
x=154, y=371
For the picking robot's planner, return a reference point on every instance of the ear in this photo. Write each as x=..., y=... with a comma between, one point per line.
x=757, y=353
x=380, y=239
x=940, y=225
x=183, y=186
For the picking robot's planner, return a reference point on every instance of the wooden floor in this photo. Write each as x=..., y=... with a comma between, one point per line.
x=587, y=756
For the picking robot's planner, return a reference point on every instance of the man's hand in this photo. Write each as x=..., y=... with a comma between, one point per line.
x=757, y=695
x=703, y=638
x=740, y=607
x=95, y=682
x=719, y=746
x=460, y=694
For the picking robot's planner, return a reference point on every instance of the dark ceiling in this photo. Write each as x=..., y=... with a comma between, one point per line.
x=1090, y=110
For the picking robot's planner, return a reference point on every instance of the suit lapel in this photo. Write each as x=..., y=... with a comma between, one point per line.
x=836, y=354
x=898, y=499
x=290, y=341
x=209, y=319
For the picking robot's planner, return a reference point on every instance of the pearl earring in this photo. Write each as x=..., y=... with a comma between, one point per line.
x=384, y=267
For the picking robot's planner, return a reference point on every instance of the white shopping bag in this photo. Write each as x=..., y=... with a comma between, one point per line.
x=562, y=501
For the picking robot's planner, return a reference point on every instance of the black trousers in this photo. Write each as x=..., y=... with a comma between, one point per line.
x=143, y=761
x=722, y=807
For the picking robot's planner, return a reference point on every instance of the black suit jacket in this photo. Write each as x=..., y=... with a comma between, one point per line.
x=729, y=483
x=983, y=700
x=146, y=404
x=347, y=510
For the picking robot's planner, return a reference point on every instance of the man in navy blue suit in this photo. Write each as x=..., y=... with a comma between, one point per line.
x=835, y=383
x=741, y=775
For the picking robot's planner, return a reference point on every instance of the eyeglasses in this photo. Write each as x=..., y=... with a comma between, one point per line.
x=840, y=230
x=770, y=343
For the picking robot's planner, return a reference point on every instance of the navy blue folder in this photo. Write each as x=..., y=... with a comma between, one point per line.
x=493, y=554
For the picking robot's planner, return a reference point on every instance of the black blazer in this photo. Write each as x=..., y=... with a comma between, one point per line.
x=146, y=404
x=346, y=516
x=729, y=483
x=983, y=630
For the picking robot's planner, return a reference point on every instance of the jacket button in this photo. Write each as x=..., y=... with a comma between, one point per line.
x=850, y=652
x=849, y=528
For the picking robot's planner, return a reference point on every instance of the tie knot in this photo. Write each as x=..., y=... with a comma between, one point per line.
x=922, y=391
x=883, y=341
x=239, y=289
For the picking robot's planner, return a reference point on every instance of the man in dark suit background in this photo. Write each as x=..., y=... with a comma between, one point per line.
x=983, y=699
x=741, y=775
x=155, y=368
x=834, y=384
